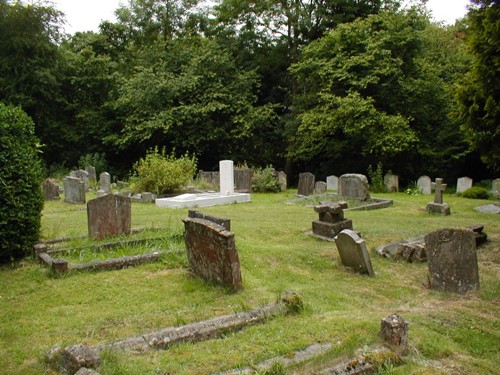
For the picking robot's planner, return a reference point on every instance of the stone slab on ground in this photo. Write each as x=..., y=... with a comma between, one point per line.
x=489, y=208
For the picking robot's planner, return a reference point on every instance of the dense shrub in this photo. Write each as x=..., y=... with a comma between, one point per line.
x=96, y=160
x=159, y=173
x=476, y=192
x=377, y=184
x=21, y=199
x=265, y=180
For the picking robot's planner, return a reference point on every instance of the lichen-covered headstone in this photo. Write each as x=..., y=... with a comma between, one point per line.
x=354, y=185
x=424, y=185
x=394, y=331
x=74, y=190
x=306, y=184
x=109, y=215
x=353, y=252
x=452, y=260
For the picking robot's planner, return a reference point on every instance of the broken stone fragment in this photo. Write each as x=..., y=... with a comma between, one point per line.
x=73, y=358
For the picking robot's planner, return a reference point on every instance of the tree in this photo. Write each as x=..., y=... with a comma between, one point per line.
x=479, y=92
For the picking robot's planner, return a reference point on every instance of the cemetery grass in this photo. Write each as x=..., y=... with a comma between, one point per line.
x=449, y=334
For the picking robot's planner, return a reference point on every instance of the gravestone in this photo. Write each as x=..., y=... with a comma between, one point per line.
x=438, y=207
x=391, y=183
x=243, y=180
x=354, y=185
x=306, y=184
x=332, y=182
x=424, y=185
x=109, y=215
x=50, y=189
x=320, y=187
x=74, y=190
x=92, y=175
x=212, y=252
x=463, y=183
x=495, y=188
x=353, y=252
x=452, y=259
x=211, y=178
x=226, y=177
x=105, y=183
x=331, y=220
x=394, y=331
x=282, y=178
x=83, y=175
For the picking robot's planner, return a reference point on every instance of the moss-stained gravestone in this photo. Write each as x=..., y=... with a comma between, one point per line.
x=452, y=259
x=353, y=252
x=109, y=215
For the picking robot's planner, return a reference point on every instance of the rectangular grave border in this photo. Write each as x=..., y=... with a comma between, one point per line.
x=60, y=265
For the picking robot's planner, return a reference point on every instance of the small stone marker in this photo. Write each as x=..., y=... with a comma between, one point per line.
x=391, y=183
x=109, y=215
x=495, y=188
x=452, y=258
x=83, y=175
x=50, y=189
x=331, y=220
x=424, y=185
x=332, y=183
x=320, y=187
x=282, y=178
x=438, y=207
x=353, y=252
x=212, y=253
x=79, y=356
x=394, y=331
x=463, y=183
x=105, y=182
x=74, y=190
x=306, y=184
x=354, y=185
x=226, y=177
x=92, y=174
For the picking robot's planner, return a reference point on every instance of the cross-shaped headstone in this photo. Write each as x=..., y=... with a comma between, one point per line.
x=439, y=187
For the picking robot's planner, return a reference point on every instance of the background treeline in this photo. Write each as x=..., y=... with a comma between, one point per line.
x=327, y=86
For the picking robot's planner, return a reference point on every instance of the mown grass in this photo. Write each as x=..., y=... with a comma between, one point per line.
x=448, y=333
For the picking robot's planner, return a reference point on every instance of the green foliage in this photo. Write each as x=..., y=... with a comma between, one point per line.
x=21, y=199
x=413, y=189
x=476, y=192
x=377, y=184
x=264, y=180
x=96, y=160
x=160, y=173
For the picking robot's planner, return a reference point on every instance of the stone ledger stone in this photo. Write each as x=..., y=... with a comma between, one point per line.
x=74, y=190
x=109, y=215
x=354, y=185
x=306, y=183
x=353, y=252
x=452, y=260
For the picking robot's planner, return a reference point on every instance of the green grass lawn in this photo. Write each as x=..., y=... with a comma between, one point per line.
x=449, y=334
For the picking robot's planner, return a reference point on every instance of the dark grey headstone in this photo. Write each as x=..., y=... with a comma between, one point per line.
x=50, y=189
x=353, y=252
x=109, y=215
x=452, y=259
x=74, y=190
x=243, y=180
x=306, y=183
x=354, y=185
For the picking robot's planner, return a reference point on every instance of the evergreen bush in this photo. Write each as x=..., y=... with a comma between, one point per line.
x=476, y=192
x=21, y=199
x=159, y=173
x=265, y=180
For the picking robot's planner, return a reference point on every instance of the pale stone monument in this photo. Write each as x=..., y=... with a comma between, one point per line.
x=105, y=182
x=463, y=183
x=438, y=207
x=332, y=182
x=226, y=177
x=424, y=185
x=353, y=252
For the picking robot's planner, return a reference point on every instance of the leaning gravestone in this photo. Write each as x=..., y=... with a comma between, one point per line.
x=50, y=189
x=320, y=187
x=452, y=258
x=331, y=220
x=438, y=207
x=391, y=183
x=282, y=178
x=463, y=183
x=211, y=252
x=105, y=182
x=74, y=190
x=109, y=215
x=354, y=185
x=353, y=252
x=306, y=183
x=83, y=175
x=332, y=182
x=424, y=185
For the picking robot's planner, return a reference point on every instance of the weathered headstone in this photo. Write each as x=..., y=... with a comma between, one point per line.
x=226, y=223
x=320, y=187
x=109, y=215
x=83, y=175
x=391, y=183
x=105, y=182
x=332, y=182
x=212, y=253
x=243, y=180
x=424, y=185
x=438, y=207
x=463, y=183
x=331, y=220
x=495, y=187
x=353, y=252
x=74, y=190
x=394, y=331
x=226, y=177
x=92, y=175
x=306, y=183
x=354, y=185
x=50, y=189
x=282, y=178
x=211, y=178
x=452, y=259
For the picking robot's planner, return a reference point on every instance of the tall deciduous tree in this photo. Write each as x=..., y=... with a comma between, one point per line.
x=479, y=91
